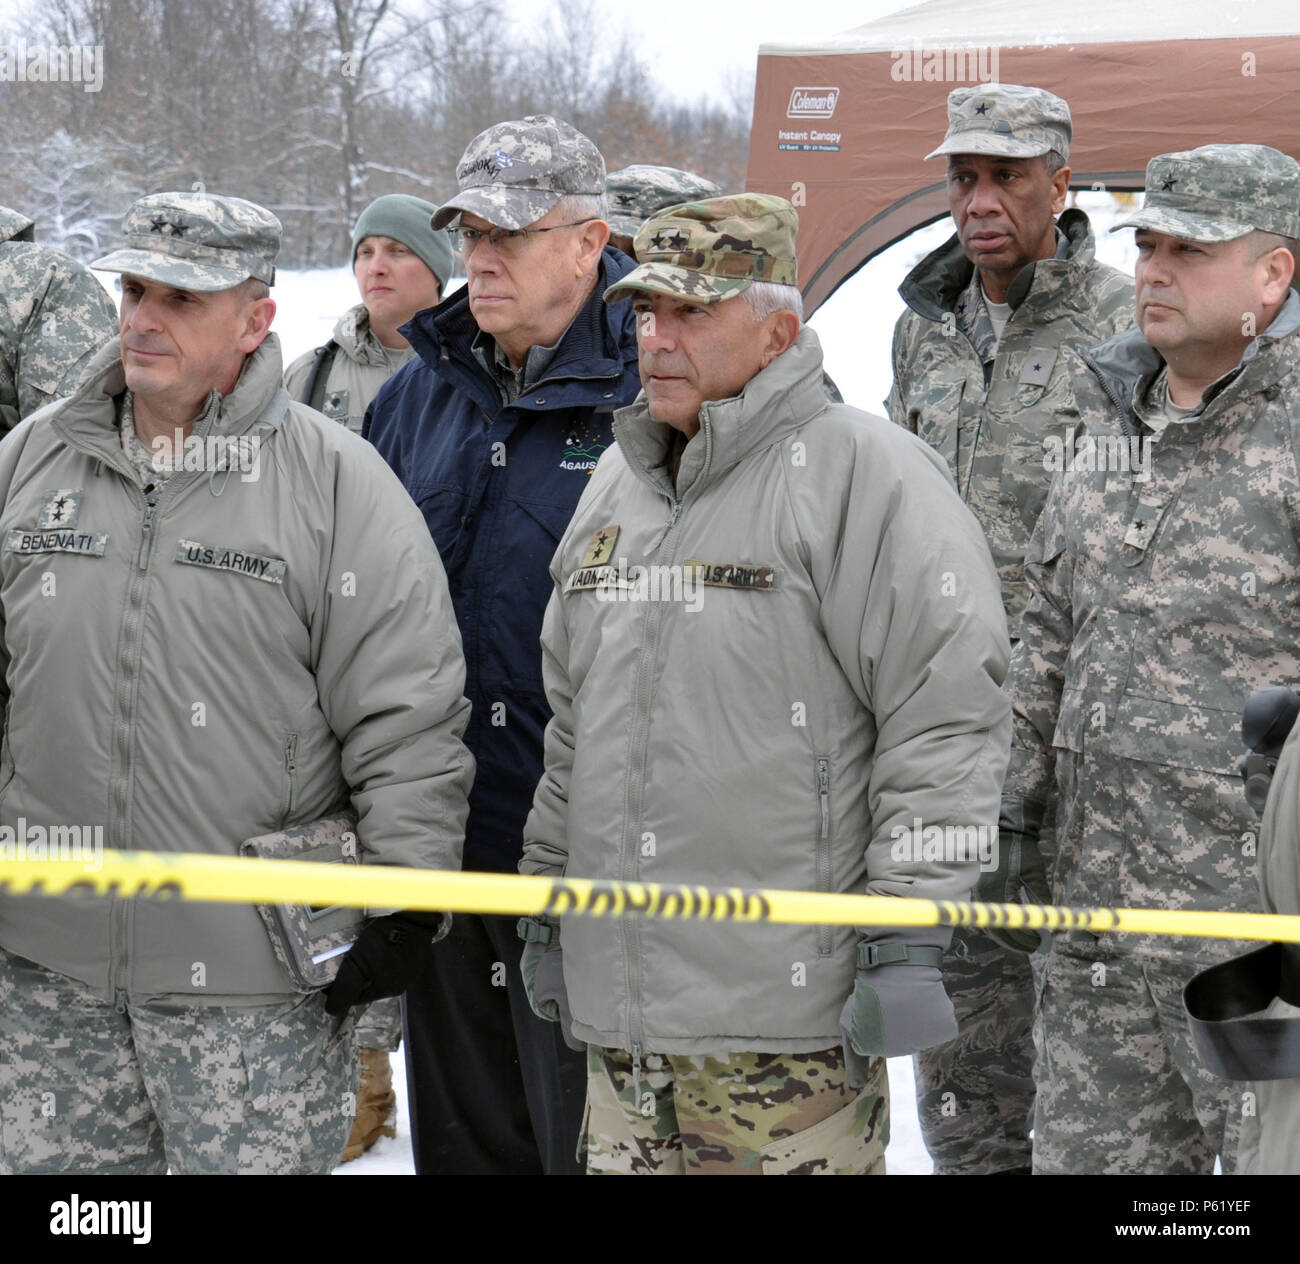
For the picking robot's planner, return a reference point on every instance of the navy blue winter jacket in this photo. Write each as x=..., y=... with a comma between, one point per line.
x=497, y=513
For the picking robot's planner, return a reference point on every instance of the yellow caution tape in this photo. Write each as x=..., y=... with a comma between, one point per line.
x=228, y=879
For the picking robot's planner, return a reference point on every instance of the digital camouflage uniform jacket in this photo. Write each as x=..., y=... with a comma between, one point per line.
x=219, y=659
x=54, y=315
x=1158, y=605
x=835, y=679
x=987, y=413
x=361, y=364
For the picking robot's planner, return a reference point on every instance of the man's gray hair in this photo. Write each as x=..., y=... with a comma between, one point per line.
x=1053, y=162
x=765, y=297
x=576, y=206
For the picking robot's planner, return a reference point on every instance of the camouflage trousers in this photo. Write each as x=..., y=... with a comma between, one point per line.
x=380, y=1025
x=740, y=1114
x=1120, y=1086
x=975, y=1094
x=193, y=1088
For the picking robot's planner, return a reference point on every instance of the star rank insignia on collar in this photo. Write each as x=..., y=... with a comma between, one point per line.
x=600, y=549
x=60, y=509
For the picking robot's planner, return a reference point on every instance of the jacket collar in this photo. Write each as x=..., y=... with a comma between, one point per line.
x=357, y=340
x=935, y=284
x=1127, y=364
x=598, y=345
x=774, y=402
x=88, y=419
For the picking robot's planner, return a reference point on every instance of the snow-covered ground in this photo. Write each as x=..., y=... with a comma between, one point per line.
x=905, y=1156
x=855, y=326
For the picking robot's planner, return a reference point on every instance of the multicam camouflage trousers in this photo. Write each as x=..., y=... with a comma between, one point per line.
x=975, y=1094
x=747, y=1114
x=197, y=1088
x=1120, y=1086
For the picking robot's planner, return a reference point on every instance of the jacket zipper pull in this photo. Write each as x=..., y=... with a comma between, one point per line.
x=668, y=526
x=824, y=794
x=146, y=537
x=120, y=1007
x=636, y=1076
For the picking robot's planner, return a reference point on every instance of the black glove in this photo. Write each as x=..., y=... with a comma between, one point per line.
x=390, y=954
x=1020, y=868
x=1269, y=716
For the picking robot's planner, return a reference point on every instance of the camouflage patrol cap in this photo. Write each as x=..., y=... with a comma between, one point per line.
x=713, y=250
x=1007, y=120
x=1219, y=193
x=514, y=173
x=197, y=241
x=637, y=192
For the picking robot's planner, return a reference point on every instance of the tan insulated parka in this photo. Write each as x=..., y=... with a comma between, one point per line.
x=832, y=680
x=240, y=655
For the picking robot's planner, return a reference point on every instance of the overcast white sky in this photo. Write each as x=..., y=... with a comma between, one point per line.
x=692, y=46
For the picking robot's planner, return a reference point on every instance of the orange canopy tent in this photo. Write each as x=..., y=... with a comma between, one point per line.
x=842, y=127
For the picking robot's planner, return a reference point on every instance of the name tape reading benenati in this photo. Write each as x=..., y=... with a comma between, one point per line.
x=223, y=879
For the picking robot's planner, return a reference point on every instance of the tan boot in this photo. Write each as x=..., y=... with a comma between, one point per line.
x=376, y=1104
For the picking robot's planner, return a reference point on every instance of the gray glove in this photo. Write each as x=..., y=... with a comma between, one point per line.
x=898, y=1004
x=542, y=966
x=1020, y=868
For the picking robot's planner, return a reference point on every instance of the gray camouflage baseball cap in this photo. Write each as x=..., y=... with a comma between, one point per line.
x=197, y=241
x=637, y=192
x=514, y=173
x=1220, y=193
x=1006, y=120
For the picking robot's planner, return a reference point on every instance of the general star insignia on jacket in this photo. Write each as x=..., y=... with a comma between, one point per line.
x=60, y=508
x=600, y=549
x=1037, y=368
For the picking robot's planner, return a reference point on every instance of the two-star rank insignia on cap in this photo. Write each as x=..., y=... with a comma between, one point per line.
x=60, y=509
x=601, y=547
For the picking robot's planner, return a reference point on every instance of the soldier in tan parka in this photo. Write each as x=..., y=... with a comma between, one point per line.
x=772, y=653
x=401, y=264
x=980, y=376
x=220, y=620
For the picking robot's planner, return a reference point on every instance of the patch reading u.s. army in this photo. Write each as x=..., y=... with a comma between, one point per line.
x=746, y=575
x=88, y=543
x=1037, y=368
x=601, y=547
x=218, y=558
x=587, y=577
x=59, y=509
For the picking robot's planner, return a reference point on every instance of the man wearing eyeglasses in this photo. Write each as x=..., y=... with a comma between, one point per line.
x=494, y=428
